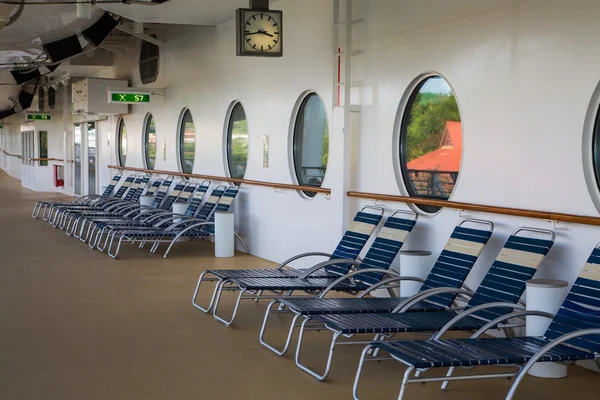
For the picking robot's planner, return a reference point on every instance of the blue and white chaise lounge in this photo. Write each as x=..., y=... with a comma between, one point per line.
x=574, y=334
x=450, y=270
x=349, y=247
x=498, y=294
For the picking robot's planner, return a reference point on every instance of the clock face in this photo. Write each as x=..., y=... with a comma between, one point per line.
x=262, y=32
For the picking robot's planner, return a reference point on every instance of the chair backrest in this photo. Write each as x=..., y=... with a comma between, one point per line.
x=111, y=186
x=162, y=192
x=457, y=259
x=517, y=262
x=124, y=186
x=222, y=205
x=141, y=187
x=166, y=205
x=133, y=188
x=197, y=199
x=581, y=308
x=210, y=203
x=386, y=245
x=187, y=193
x=152, y=189
x=355, y=238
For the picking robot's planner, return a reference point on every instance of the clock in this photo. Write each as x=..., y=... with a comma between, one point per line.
x=259, y=32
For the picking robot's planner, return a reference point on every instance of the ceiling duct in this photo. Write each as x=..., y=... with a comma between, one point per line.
x=23, y=102
x=22, y=77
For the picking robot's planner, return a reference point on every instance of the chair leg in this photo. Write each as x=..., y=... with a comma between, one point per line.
x=114, y=255
x=235, y=308
x=405, y=382
x=363, y=358
x=445, y=383
x=264, y=328
x=322, y=377
x=212, y=299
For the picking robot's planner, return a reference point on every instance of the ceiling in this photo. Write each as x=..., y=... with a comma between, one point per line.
x=191, y=12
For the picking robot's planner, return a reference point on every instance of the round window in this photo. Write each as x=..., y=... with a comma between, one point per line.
x=237, y=142
x=311, y=142
x=122, y=143
x=431, y=141
x=150, y=141
x=187, y=142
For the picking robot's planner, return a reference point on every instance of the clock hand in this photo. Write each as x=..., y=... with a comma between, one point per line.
x=252, y=33
x=265, y=33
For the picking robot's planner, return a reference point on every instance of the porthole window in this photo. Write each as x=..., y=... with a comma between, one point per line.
x=149, y=59
x=311, y=142
x=150, y=141
x=187, y=142
x=431, y=141
x=121, y=142
x=237, y=142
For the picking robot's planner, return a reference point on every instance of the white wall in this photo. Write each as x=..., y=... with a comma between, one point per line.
x=200, y=71
x=523, y=75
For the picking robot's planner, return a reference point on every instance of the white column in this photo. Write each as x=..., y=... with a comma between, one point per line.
x=224, y=237
x=544, y=295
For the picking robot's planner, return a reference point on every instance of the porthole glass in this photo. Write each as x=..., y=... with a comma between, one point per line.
x=187, y=142
x=122, y=142
x=237, y=142
x=311, y=142
x=431, y=141
x=150, y=141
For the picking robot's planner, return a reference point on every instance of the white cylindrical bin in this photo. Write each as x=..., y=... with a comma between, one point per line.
x=544, y=295
x=414, y=263
x=179, y=208
x=224, y=238
x=146, y=200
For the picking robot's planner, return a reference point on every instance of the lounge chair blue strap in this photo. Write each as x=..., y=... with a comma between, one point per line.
x=504, y=283
x=107, y=192
x=573, y=334
x=162, y=192
x=450, y=270
x=401, y=321
x=350, y=246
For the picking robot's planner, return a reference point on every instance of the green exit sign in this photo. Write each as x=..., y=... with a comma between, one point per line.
x=129, y=98
x=39, y=117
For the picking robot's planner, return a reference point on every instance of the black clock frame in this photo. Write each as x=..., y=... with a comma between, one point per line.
x=239, y=34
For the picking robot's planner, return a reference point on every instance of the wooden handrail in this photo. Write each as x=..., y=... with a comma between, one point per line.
x=223, y=179
x=12, y=155
x=43, y=159
x=548, y=215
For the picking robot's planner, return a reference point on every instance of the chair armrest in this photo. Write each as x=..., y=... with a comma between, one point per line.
x=356, y=272
x=492, y=324
x=299, y=256
x=411, y=301
x=474, y=310
x=544, y=350
x=326, y=264
x=390, y=280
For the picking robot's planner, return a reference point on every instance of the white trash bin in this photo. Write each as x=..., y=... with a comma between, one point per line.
x=415, y=263
x=146, y=200
x=544, y=295
x=224, y=236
